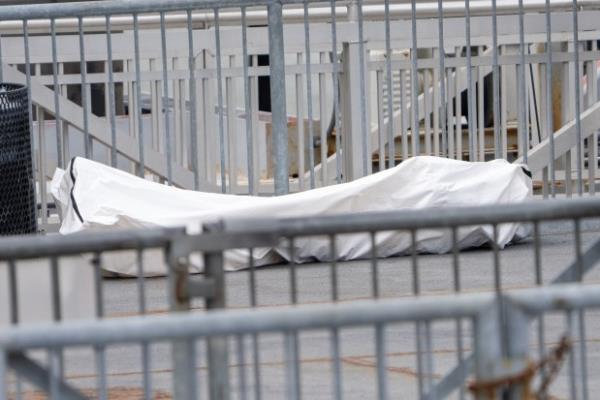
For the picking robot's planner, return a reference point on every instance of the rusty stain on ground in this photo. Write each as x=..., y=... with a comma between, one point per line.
x=116, y=393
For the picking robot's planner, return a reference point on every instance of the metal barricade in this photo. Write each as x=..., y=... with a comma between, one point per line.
x=563, y=247
x=498, y=325
x=557, y=252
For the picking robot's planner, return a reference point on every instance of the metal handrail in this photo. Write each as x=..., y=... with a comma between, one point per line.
x=231, y=322
x=65, y=14
x=419, y=219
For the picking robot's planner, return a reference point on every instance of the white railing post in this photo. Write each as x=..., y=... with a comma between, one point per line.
x=278, y=99
x=350, y=92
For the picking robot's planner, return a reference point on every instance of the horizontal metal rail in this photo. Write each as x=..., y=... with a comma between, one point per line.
x=371, y=12
x=423, y=9
x=24, y=247
x=420, y=219
x=178, y=326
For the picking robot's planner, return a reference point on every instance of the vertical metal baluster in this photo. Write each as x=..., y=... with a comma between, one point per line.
x=335, y=333
x=54, y=392
x=231, y=123
x=241, y=355
x=311, y=143
x=84, y=91
x=42, y=165
x=138, y=95
x=220, y=99
x=459, y=111
x=193, y=101
x=426, y=111
x=450, y=115
x=13, y=292
x=416, y=291
x=56, y=355
x=14, y=320
x=579, y=145
x=593, y=140
x=457, y=289
x=435, y=110
x=252, y=278
x=390, y=90
x=323, y=123
x=504, y=69
x=523, y=131
x=4, y=374
x=280, y=142
x=480, y=149
x=429, y=365
x=293, y=277
x=415, y=125
x=380, y=121
x=539, y=282
x=442, y=54
x=166, y=103
x=248, y=108
x=300, y=135
x=333, y=268
x=60, y=160
x=291, y=365
x=294, y=300
x=363, y=95
x=253, y=304
x=571, y=357
x=336, y=106
x=147, y=383
x=498, y=288
x=496, y=251
x=14, y=312
x=581, y=314
x=380, y=359
x=111, y=95
x=404, y=109
x=41, y=187
x=496, y=83
x=374, y=266
x=549, y=121
x=470, y=91
x=100, y=351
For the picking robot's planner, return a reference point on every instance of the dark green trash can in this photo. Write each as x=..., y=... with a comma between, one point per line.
x=17, y=192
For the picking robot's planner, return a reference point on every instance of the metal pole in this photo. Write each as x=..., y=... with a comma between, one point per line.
x=278, y=109
x=183, y=350
x=217, y=347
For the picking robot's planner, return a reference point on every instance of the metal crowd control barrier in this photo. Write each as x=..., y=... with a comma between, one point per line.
x=497, y=323
x=409, y=273
x=557, y=252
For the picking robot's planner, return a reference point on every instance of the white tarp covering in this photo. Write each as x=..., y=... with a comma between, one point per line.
x=93, y=196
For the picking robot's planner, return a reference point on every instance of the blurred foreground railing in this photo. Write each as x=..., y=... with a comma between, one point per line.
x=59, y=278
x=498, y=325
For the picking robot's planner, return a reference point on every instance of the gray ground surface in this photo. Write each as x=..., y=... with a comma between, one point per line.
x=359, y=379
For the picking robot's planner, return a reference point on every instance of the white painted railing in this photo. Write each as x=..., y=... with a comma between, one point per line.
x=211, y=135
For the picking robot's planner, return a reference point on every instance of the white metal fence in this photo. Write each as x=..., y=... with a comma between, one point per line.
x=181, y=92
x=250, y=365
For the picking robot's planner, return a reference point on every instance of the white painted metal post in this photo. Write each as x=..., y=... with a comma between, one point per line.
x=183, y=350
x=278, y=106
x=351, y=82
x=517, y=347
x=488, y=349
